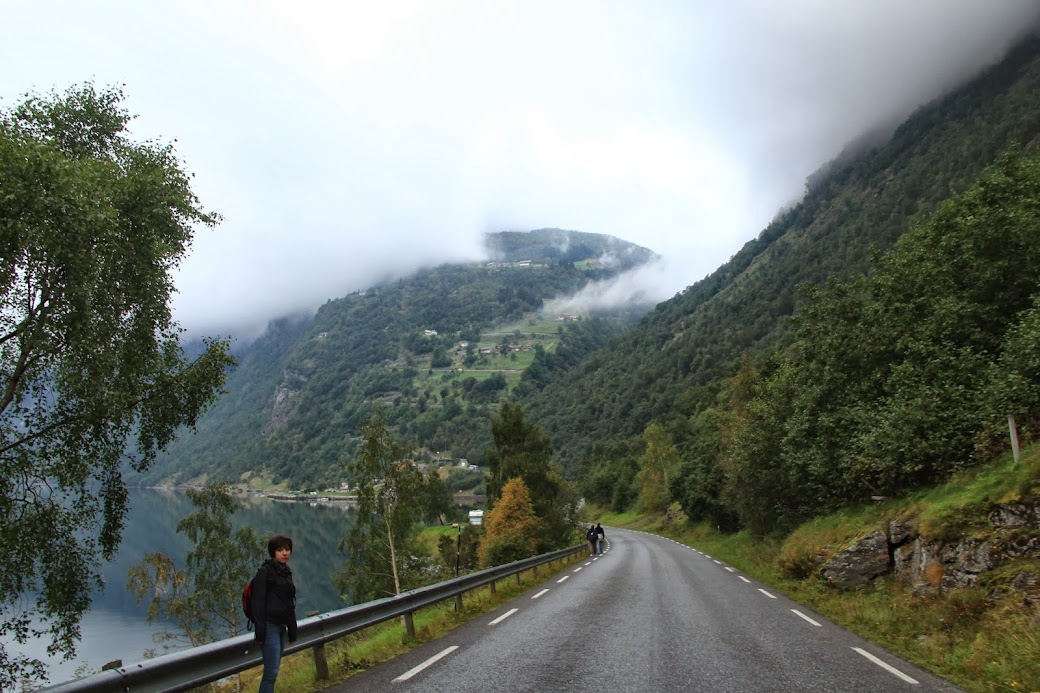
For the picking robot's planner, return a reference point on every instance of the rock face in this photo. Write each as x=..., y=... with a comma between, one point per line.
x=860, y=563
x=285, y=397
x=931, y=565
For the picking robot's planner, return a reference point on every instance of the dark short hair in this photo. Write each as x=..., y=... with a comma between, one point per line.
x=278, y=542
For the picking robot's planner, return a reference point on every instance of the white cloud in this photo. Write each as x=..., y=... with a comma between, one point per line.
x=346, y=141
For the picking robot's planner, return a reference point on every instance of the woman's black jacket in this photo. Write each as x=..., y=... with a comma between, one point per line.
x=274, y=599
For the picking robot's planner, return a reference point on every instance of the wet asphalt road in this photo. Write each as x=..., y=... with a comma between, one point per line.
x=648, y=615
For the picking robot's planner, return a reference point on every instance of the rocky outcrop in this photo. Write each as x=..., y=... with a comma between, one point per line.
x=285, y=397
x=860, y=563
x=937, y=565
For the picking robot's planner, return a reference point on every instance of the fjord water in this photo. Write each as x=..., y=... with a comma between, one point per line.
x=117, y=628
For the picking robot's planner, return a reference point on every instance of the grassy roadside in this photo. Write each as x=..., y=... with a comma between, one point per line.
x=975, y=638
x=364, y=649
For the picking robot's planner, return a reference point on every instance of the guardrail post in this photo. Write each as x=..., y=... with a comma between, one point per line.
x=535, y=571
x=518, y=578
x=458, y=602
x=492, y=585
x=321, y=664
x=409, y=626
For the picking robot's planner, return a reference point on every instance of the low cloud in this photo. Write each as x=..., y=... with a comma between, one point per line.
x=347, y=143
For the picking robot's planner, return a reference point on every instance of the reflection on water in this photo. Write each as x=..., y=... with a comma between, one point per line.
x=117, y=628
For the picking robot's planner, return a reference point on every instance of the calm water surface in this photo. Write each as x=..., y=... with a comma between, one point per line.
x=117, y=628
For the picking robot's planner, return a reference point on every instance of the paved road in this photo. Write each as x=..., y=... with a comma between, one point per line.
x=649, y=615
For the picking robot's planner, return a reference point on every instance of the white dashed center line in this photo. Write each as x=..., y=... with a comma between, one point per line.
x=562, y=579
x=801, y=615
x=432, y=660
x=890, y=669
x=540, y=594
x=503, y=617
x=766, y=593
x=744, y=579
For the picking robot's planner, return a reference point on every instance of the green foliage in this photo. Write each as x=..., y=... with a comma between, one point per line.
x=892, y=380
x=523, y=451
x=393, y=496
x=656, y=468
x=203, y=598
x=459, y=549
x=91, y=226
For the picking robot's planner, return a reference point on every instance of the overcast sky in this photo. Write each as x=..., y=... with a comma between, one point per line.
x=345, y=142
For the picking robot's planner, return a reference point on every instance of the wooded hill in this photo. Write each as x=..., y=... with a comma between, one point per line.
x=895, y=374
x=437, y=351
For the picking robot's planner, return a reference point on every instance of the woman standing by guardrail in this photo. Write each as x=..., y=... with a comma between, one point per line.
x=274, y=608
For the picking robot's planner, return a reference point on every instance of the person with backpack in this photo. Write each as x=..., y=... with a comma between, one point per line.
x=600, y=537
x=591, y=536
x=274, y=608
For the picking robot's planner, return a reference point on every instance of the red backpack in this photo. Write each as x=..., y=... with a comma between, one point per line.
x=247, y=603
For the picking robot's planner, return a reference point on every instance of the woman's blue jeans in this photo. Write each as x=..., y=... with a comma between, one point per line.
x=275, y=638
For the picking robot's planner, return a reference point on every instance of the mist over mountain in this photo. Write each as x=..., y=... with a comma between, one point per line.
x=436, y=350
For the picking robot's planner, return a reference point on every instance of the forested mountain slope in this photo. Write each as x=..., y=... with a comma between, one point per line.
x=673, y=365
x=436, y=350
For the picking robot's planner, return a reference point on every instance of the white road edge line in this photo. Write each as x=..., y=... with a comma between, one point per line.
x=887, y=667
x=730, y=569
x=540, y=593
x=771, y=596
x=562, y=579
x=801, y=615
x=432, y=660
x=744, y=579
x=578, y=568
x=503, y=617
x=719, y=562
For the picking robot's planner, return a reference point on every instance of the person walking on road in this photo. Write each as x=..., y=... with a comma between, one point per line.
x=591, y=536
x=600, y=537
x=274, y=608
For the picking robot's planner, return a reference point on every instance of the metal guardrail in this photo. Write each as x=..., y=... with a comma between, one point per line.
x=187, y=669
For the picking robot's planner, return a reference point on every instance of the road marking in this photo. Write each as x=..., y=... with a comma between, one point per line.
x=801, y=615
x=503, y=617
x=730, y=569
x=540, y=594
x=562, y=579
x=578, y=568
x=719, y=562
x=589, y=563
x=744, y=579
x=766, y=593
x=890, y=669
x=432, y=660
x=707, y=556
